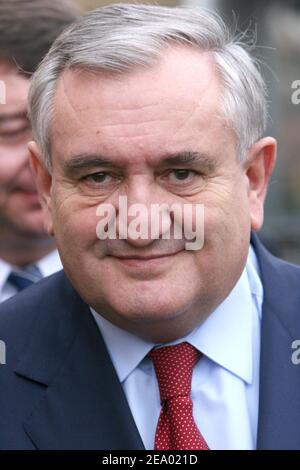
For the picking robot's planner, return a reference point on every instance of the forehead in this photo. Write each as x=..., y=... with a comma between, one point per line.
x=16, y=88
x=169, y=99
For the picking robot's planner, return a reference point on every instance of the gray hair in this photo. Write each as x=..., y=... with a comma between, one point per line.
x=121, y=37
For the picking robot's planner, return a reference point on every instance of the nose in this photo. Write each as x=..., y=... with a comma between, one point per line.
x=20, y=156
x=23, y=160
x=20, y=168
x=142, y=214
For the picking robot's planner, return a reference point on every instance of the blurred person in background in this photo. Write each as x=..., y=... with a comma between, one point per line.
x=27, y=30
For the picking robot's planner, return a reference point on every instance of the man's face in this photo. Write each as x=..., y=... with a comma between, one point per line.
x=20, y=210
x=139, y=124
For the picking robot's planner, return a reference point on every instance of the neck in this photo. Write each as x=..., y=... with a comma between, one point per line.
x=21, y=252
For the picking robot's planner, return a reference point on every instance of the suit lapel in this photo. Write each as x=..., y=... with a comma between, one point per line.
x=83, y=406
x=279, y=397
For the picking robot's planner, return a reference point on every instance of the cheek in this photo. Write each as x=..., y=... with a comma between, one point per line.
x=7, y=172
x=226, y=243
x=76, y=226
x=227, y=219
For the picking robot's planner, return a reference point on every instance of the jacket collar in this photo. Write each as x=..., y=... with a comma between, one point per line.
x=279, y=402
x=66, y=349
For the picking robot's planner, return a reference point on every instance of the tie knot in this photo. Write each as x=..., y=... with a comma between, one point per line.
x=23, y=277
x=174, y=368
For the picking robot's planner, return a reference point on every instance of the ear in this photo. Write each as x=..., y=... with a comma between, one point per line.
x=43, y=180
x=259, y=167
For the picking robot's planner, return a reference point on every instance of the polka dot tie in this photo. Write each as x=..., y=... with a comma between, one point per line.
x=176, y=428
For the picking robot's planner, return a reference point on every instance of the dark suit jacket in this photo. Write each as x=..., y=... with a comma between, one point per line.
x=59, y=389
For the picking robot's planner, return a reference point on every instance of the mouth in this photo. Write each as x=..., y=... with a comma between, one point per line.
x=29, y=195
x=146, y=261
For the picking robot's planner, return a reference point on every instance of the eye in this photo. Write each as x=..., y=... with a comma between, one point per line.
x=100, y=177
x=100, y=180
x=14, y=134
x=182, y=175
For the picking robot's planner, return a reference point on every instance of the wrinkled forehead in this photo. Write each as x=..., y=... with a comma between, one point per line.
x=182, y=76
x=171, y=101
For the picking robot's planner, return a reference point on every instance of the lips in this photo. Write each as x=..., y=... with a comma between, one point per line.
x=145, y=261
x=25, y=189
x=144, y=258
x=27, y=196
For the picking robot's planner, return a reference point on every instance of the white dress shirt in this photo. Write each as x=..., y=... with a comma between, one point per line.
x=47, y=265
x=225, y=383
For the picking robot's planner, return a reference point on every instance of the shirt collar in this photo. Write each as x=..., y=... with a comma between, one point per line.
x=126, y=350
x=226, y=337
x=5, y=269
x=47, y=265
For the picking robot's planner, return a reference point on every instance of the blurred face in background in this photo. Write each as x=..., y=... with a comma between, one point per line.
x=20, y=210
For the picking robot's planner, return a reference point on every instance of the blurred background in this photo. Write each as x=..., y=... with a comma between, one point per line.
x=277, y=27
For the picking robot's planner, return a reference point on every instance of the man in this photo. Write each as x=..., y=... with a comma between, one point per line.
x=27, y=30
x=144, y=343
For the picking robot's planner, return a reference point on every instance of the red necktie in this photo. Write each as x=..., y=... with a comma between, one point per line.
x=176, y=428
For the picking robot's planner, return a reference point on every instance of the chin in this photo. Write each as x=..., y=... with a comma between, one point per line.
x=155, y=323
x=146, y=309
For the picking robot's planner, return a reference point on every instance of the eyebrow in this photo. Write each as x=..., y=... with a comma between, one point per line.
x=189, y=157
x=13, y=116
x=82, y=162
x=85, y=162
